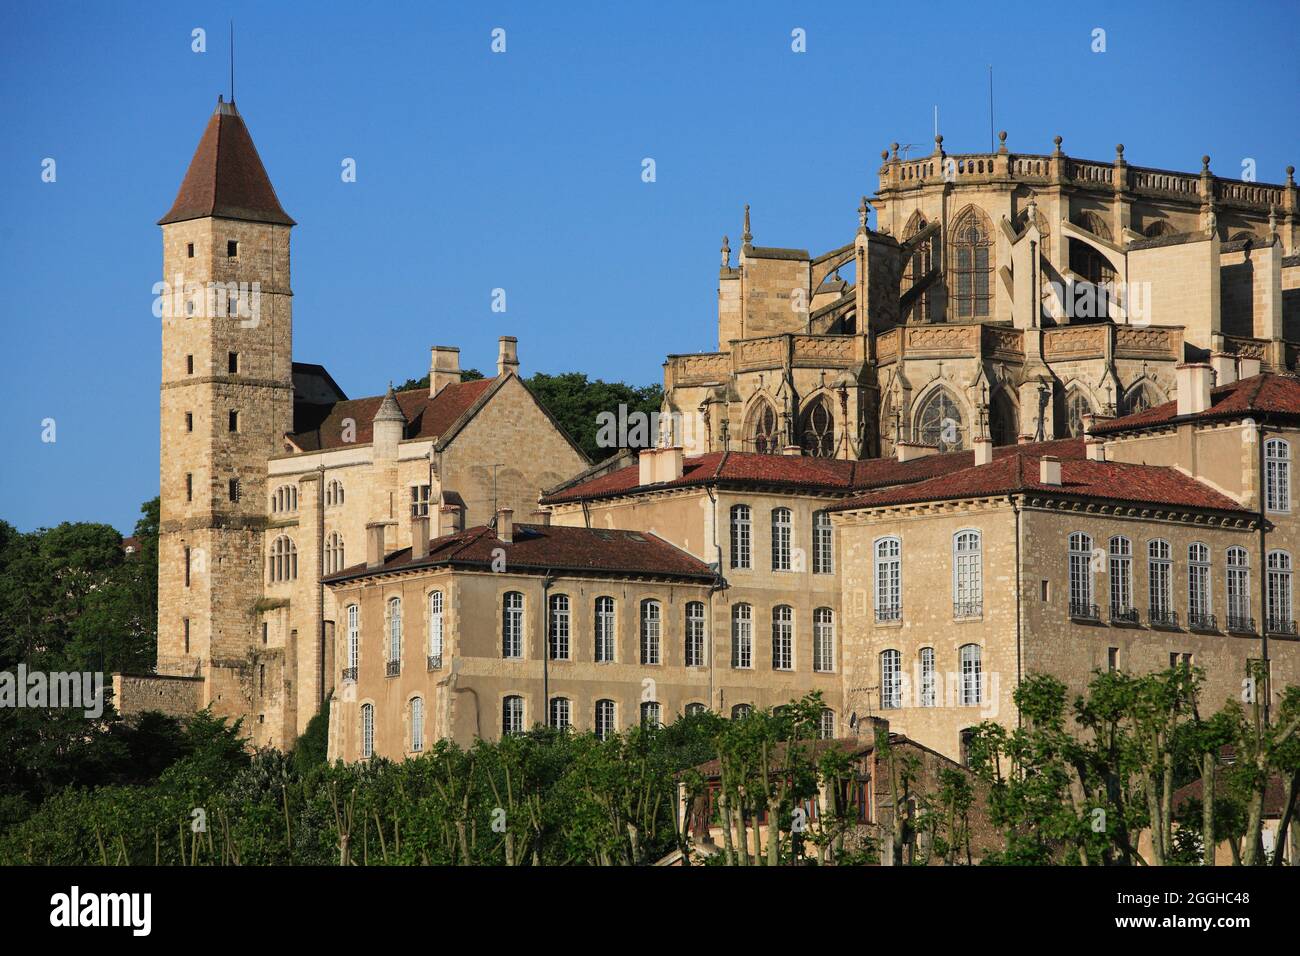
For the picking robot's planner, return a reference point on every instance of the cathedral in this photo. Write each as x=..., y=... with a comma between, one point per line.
x=1095, y=343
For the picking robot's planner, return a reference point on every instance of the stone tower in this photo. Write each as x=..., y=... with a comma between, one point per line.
x=226, y=403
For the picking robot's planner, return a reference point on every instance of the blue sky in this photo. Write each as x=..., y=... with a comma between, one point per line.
x=522, y=171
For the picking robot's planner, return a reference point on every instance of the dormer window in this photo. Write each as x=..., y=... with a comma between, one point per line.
x=232, y=249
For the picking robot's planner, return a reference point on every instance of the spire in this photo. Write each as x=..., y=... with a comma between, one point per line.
x=226, y=177
x=389, y=410
x=747, y=237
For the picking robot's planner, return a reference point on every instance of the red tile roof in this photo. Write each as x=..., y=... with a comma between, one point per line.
x=320, y=427
x=1273, y=792
x=1267, y=394
x=540, y=548
x=1019, y=472
x=795, y=472
x=226, y=177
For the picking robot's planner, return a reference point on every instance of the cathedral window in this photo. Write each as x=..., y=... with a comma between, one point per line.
x=818, y=430
x=1157, y=228
x=764, y=436
x=1139, y=398
x=939, y=422
x=972, y=264
x=918, y=266
x=1077, y=405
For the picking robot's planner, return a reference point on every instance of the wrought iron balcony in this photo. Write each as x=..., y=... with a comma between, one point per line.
x=1082, y=611
x=435, y=662
x=1202, y=622
x=968, y=610
x=1127, y=616
x=1280, y=626
x=1162, y=617
x=889, y=614
x=350, y=674
x=393, y=668
x=1238, y=624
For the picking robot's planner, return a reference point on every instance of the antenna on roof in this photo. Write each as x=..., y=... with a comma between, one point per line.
x=232, y=61
x=990, y=107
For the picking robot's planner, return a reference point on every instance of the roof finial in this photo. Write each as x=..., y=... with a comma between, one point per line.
x=747, y=237
x=863, y=208
x=726, y=252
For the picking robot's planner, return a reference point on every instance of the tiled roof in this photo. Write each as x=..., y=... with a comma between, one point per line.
x=1265, y=394
x=541, y=548
x=226, y=177
x=320, y=427
x=1273, y=792
x=1018, y=471
x=795, y=472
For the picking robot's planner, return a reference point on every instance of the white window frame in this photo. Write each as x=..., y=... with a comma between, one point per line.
x=605, y=628
x=742, y=636
x=512, y=625
x=823, y=544
x=783, y=638
x=436, y=622
x=824, y=640
x=888, y=553
x=826, y=724
x=1277, y=475
x=394, y=606
x=354, y=636
x=652, y=616
x=560, y=713
x=417, y=724
x=512, y=714
x=693, y=648
x=891, y=679
x=929, y=695
x=606, y=718
x=1200, y=590
x=651, y=714
x=1080, y=571
x=968, y=574
x=558, y=644
x=782, y=537
x=972, y=675
x=1238, y=587
x=1120, y=567
x=367, y=731
x=1278, y=590
x=742, y=538
x=1160, y=577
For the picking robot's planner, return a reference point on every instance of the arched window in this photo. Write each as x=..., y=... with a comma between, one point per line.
x=1081, y=600
x=694, y=643
x=435, y=630
x=285, y=499
x=919, y=265
x=763, y=434
x=284, y=560
x=650, y=714
x=823, y=544
x=741, y=711
x=817, y=428
x=1092, y=222
x=782, y=532
x=783, y=637
x=1004, y=425
x=1277, y=474
x=367, y=731
x=604, y=630
x=558, y=627
x=559, y=715
x=1160, y=583
x=651, y=616
x=823, y=640
x=334, y=493
x=972, y=679
x=695, y=708
x=417, y=724
x=891, y=679
x=334, y=553
x=512, y=625
x=512, y=715
x=889, y=580
x=1238, y=578
x=967, y=575
x=826, y=726
x=1279, y=618
x=1199, y=601
x=1092, y=266
x=971, y=265
x=741, y=537
x=742, y=636
x=939, y=422
x=605, y=724
x=1157, y=228
x=354, y=642
x=1077, y=404
x=1121, y=580
x=929, y=696
x=394, y=635
x=1139, y=398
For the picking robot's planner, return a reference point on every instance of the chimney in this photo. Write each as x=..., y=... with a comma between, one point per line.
x=451, y=519
x=983, y=451
x=420, y=537
x=908, y=450
x=792, y=450
x=1049, y=470
x=507, y=355
x=375, y=552
x=1193, y=388
x=542, y=516
x=1225, y=368
x=444, y=368
x=668, y=464
x=1248, y=367
x=506, y=525
x=646, y=466
x=1095, y=448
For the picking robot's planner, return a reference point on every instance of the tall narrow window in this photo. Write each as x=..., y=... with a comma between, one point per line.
x=889, y=580
x=189, y=486
x=512, y=715
x=559, y=715
x=419, y=501
x=823, y=639
x=972, y=680
x=967, y=575
x=1277, y=474
x=559, y=627
x=891, y=679
x=334, y=553
x=1160, y=583
x=512, y=625
x=186, y=623
x=1239, y=591
x=354, y=642
x=742, y=636
x=826, y=727
x=1199, y=603
x=1279, y=593
x=367, y=731
x=929, y=695
x=741, y=537
x=394, y=635
x=1081, y=602
x=187, y=565
x=781, y=533
x=232, y=362
x=783, y=638
x=817, y=430
x=823, y=544
x=604, y=628
x=435, y=629
x=604, y=719
x=417, y=724
x=650, y=714
x=972, y=265
x=694, y=648
x=650, y=620
x=189, y=421
x=232, y=489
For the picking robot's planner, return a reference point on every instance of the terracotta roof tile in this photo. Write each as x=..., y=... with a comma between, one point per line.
x=319, y=427
x=1265, y=394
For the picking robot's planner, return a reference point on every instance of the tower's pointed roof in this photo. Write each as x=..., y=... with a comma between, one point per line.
x=389, y=409
x=226, y=177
